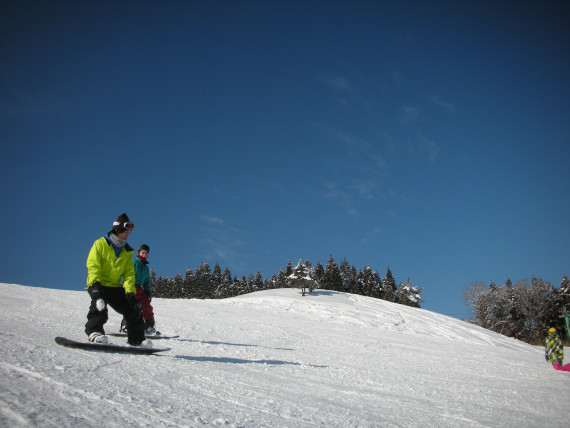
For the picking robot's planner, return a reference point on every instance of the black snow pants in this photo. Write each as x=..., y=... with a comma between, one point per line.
x=115, y=297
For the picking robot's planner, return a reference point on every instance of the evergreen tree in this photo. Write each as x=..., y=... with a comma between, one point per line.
x=409, y=295
x=300, y=278
x=273, y=282
x=203, y=285
x=241, y=286
x=226, y=287
x=332, y=279
x=353, y=283
x=162, y=289
x=319, y=274
x=216, y=281
x=378, y=285
x=157, y=285
x=289, y=269
x=169, y=286
x=250, y=284
x=282, y=281
x=178, y=286
x=368, y=283
x=389, y=287
x=344, y=269
x=236, y=287
x=258, y=283
x=188, y=285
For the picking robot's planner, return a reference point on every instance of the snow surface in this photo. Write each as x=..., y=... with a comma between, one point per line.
x=271, y=359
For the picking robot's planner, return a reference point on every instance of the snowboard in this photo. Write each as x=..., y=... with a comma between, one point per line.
x=152, y=336
x=107, y=347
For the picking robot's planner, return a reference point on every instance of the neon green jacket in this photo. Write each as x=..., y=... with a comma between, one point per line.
x=109, y=270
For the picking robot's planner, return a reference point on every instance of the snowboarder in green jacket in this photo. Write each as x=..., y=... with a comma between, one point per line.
x=111, y=281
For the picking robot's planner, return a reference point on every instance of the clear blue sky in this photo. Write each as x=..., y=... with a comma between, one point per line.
x=430, y=137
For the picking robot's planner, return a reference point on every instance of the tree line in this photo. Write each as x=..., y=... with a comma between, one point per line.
x=205, y=283
x=525, y=310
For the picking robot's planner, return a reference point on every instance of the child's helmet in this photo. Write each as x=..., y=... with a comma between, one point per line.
x=552, y=331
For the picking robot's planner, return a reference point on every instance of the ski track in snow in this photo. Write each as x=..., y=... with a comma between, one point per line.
x=271, y=359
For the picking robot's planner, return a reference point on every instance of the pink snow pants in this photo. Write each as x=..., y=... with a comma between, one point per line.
x=146, y=308
x=564, y=368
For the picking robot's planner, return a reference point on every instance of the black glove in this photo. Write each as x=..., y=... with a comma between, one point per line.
x=95, y=291
x=132, y=299
x=148, y=296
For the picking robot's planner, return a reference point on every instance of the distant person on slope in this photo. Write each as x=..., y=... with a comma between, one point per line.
x=554, y=351
x=109, y=263
x=143, y=294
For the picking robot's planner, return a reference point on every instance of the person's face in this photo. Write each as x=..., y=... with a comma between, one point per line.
x=143, y=253
x=125, y=234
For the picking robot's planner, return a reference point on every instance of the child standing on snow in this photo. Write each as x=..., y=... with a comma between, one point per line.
x=554, y=351
x=143, y=290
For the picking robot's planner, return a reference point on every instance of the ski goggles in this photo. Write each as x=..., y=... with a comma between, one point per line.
x=127, y=225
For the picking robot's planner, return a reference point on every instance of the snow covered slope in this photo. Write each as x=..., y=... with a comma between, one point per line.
x=271, y=359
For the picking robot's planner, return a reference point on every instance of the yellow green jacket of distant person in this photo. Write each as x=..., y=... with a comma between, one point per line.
x=110, y=270
x=553, y=348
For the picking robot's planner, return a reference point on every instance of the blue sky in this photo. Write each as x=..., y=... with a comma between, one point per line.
x=430, y=137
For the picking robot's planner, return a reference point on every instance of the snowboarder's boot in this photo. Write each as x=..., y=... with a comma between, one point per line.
x=98, y=337
x=149, y=328
x=123, y=328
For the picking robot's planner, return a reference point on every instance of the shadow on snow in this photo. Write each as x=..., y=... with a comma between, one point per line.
x=212, y=342
x=240, y=361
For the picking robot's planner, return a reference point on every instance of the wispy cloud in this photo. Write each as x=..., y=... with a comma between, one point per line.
x=418, y=144
x=422, y=146
x=430, y=148
x=212, y=220
x=221, y=243
x=341, y=197
x=361, y=165
x=445, y=105
x=335, y=194
x=359, y=148
x=371, y=235
x=402, y=197
x=336, y=82
x=397, y=76
x=367, y=188
x=364, y=160
x=408, y=115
